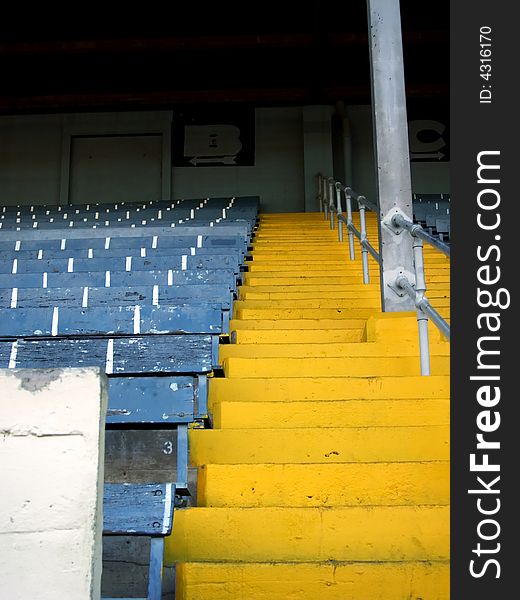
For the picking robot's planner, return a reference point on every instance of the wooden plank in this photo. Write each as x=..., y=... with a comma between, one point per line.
x=47, y=254
x=144, y=455
x=122, y=263
x=140, y=509
x=146, y=240
x=151, y=400
x=116, y=296
x=125, y=568
x=118, y=278
x=110, y=320
x=223, y=229
x=117, y=356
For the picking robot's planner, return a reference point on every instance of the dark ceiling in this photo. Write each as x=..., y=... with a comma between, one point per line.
x=77, y=68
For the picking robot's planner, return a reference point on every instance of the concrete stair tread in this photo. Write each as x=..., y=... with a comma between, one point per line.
x=316, y=324
x=319, y=445
x=396, y=533
x=326, y=413
x=313, y=581
x=322, y=485
x=325, y=388
x=331, y=367
x=304, y=350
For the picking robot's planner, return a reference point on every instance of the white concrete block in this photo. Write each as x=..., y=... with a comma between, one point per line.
x=51, y=464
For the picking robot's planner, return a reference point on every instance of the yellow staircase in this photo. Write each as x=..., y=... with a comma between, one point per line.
x=326, y=476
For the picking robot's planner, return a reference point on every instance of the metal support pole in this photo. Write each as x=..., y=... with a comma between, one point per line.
x=339, y=211
x=348, y=202
x=363, y=231
x=422, y=319
x=331, y=202
x=391, y=146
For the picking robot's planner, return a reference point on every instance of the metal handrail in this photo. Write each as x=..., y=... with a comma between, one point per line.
x=329, y=194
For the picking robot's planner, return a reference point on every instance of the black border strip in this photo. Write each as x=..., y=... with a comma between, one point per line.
x=483, y=127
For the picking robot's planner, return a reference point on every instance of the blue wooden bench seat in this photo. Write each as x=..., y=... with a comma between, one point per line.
x=119, y=279
x=190, y=235
x=89, y=253
x=141, y=510
x=59, y=321
x=219, y=293
x=184, y=262
x=130, y=355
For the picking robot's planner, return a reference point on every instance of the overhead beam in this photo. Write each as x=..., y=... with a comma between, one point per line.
x=140, y=45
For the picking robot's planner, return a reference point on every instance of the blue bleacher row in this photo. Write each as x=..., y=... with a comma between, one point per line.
x=143, y=291
x=432, y=211
x=211, y=211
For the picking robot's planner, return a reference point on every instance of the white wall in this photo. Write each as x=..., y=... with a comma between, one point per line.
x=277, y=176
x=51, y=459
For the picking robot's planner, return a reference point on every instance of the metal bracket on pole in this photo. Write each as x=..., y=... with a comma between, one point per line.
x=389, y=222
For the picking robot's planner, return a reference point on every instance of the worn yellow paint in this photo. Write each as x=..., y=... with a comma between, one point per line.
x=301, y=389
x=290, y=293
x=293, y=336
x=315, y=485
x=331, y=367
x=339, y=413
x=316, y=581
x=319, y=304
x=302, y=313
x=397, y=533
x=401, y=327
x=319, y=445
x=304, y=278
x=383, y=349
x=299, y=324
x=325, y=268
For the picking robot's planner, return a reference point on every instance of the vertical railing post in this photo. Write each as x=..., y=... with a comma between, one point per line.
x=331, y=202
x=363, y=231
x=348, y=202
x=325, y=199
x=320, y=194
x=339, y=211
x=422, y=319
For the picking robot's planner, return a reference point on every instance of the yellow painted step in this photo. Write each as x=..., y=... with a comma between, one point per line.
x=300, y=254
x=303, y=324
x=288, y=389
x=304, y=265
x=356, y=289
x=314, y=269
x=250, y=293
x=397, y=533
x=327, y=350
x=361, y=301
x=306, y=486
x=341, y=413
x=313, y=581
x=399, y=327
x=331, y=367
x=279, y=314
x=297, y=336
x=275, y=279
x=315, y=445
